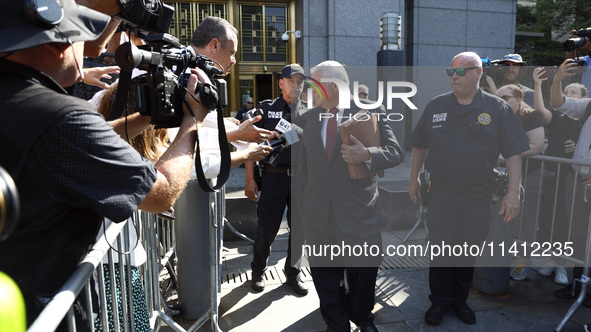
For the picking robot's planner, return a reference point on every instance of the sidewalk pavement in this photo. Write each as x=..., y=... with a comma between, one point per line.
x=401, y=292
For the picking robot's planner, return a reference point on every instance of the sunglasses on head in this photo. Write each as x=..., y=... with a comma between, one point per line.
x=459, y=71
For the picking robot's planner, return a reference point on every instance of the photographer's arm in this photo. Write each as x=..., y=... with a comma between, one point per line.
x=109, y=7
x=131, y=126
x=174, y=167
x=95, y=47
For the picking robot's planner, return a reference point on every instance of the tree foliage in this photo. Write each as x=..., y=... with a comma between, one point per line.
x=553, y=18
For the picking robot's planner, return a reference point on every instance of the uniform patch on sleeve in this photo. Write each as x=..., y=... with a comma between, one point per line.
x=484, y=118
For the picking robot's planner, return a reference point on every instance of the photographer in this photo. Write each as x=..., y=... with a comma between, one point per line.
x=71, y=169
x=217, y=39
x=586, y=48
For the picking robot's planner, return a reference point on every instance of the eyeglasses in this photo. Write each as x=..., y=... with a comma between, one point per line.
x=507, y=97
x=459, y=71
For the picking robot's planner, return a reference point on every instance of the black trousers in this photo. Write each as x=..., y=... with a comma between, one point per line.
x=454, y=219
x=338, y=306
x=275, y=196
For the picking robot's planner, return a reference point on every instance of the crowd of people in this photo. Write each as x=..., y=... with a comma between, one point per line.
x=76, y=172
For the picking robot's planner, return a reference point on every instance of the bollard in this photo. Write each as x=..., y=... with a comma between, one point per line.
x=492, y=273
x=192, y=221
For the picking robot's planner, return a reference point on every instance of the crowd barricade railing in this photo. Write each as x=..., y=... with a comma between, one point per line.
x=158, y=239
x=550, y=170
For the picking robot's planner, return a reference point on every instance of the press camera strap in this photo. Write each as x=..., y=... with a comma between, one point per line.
x=224, y=174
x=121, y=98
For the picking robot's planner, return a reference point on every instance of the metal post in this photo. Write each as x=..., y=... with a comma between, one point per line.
x=193, y=251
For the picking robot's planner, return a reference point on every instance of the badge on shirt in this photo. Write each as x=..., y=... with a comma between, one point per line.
x=440, y=117
x=275, y=115
x=484, y=119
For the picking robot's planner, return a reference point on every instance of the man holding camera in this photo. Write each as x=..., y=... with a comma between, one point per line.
x=275, y=191
x=578, y=38
x=70, y=167
x=463, y=132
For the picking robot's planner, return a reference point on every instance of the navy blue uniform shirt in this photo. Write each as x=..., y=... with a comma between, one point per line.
x=460, y=155
x=273, y=111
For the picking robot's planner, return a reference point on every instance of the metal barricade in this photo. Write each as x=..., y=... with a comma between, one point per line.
x=158, y=238
x=550, y=246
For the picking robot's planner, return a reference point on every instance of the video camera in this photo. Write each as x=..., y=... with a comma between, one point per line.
x=149, y=15
x=494, y=67
x=574, y=43
x=159, y=93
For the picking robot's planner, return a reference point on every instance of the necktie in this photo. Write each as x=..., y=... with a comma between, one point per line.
x=331, y=132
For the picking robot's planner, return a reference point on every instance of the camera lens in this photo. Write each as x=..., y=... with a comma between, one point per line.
x=573, y=43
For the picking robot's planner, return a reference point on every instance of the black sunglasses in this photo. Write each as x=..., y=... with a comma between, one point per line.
x=459, y=71
x=249, y=102
x=507, y=97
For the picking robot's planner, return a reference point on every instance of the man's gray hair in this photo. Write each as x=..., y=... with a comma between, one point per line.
x=332, y=69
x=213, y=27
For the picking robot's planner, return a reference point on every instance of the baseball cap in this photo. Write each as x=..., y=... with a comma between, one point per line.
x=292, y=69
x=516, y=58
x=18, y=31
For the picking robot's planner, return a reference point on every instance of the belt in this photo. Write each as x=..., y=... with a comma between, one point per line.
x=476, y=191
x=277, y=170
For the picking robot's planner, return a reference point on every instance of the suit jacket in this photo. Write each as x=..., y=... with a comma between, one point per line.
x=323, y=186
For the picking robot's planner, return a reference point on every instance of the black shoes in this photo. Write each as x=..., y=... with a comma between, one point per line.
x=465, y=314
x=368, y=328
x=297, y=285
x=434, y=315
x=257, y=283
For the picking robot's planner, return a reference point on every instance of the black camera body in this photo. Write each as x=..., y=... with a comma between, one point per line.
x=574, y=43
x=149, y=15
x=159, y=93
x=494, y=67
x=581, y=66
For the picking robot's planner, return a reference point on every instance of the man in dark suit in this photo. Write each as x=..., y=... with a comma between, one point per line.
x=336, y=209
